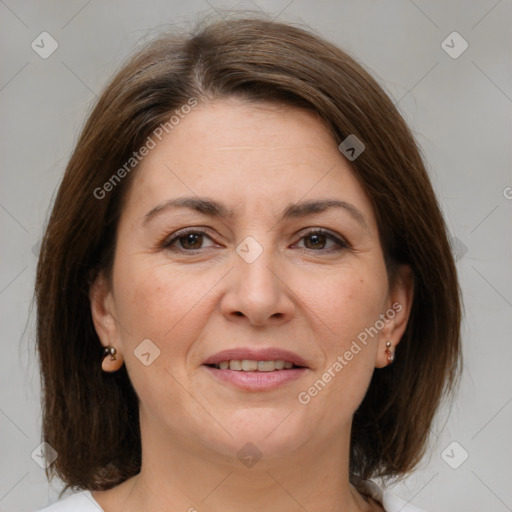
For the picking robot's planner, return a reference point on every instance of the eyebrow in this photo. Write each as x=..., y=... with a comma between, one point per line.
x=215, y=209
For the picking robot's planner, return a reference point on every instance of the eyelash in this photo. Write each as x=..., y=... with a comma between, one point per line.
x=168, y=242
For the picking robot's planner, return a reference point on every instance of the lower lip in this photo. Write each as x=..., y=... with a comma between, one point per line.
x=257, y=381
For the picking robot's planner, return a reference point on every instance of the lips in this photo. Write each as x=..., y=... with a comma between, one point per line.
x=267, y=354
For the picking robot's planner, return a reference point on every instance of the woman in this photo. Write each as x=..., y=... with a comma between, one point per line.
x=245, y=284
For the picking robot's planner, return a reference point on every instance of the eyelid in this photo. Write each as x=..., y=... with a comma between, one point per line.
x=339, y=240
x=173, y=237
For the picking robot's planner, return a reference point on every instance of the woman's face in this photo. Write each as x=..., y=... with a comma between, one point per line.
x=261, y=278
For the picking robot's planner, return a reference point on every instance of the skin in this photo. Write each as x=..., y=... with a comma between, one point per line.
x=300, y=294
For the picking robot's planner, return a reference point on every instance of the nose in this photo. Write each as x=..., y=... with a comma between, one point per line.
x=258, y=292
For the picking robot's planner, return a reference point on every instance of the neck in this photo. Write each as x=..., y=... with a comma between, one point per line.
x=182, y=475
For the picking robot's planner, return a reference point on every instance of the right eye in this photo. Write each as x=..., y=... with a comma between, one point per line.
x=189, y=240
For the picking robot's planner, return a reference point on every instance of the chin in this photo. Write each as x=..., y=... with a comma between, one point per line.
x=260, y=432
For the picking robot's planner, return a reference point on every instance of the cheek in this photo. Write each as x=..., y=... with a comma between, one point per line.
x=350, y=304
x=161, y=303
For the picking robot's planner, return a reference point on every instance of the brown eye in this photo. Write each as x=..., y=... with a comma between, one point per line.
x=186, y=241
x=191, y=241
x=317, y=240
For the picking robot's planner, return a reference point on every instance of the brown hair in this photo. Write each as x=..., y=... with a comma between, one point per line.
x=91, y=417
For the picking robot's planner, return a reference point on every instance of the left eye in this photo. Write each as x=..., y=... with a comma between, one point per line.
x=320, y=238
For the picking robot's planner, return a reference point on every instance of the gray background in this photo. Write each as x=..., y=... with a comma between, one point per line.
x=459, y=109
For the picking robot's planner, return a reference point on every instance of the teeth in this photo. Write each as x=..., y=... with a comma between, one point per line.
x=235, y=365
x=266, y=366
x=248, y=365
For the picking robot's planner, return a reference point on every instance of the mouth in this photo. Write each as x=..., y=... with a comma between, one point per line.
x=252, y=365
x=252, y=359
x=256, y=370
x=252, y=369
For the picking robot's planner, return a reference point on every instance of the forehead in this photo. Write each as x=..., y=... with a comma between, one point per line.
x=247, y=154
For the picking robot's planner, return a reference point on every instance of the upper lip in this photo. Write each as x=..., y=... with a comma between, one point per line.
x=265, y=354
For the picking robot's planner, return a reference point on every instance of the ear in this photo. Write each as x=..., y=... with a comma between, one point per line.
x=397, y=314
x=104, y=320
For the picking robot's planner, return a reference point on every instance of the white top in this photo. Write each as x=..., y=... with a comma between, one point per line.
x=84, y=502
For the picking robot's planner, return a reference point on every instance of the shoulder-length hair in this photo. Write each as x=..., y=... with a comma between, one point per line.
x=91, y=417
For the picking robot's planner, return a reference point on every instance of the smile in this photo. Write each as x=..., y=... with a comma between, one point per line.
x=249, y=365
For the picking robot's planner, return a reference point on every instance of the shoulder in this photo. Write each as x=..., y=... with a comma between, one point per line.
x=390, y=501
x=79, y=502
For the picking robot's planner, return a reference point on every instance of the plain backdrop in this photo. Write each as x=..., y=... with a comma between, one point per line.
x=459, y=107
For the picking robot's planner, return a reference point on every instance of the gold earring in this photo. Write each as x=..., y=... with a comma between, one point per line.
x=110, y=350
x=390, y=354
x=107, y=365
